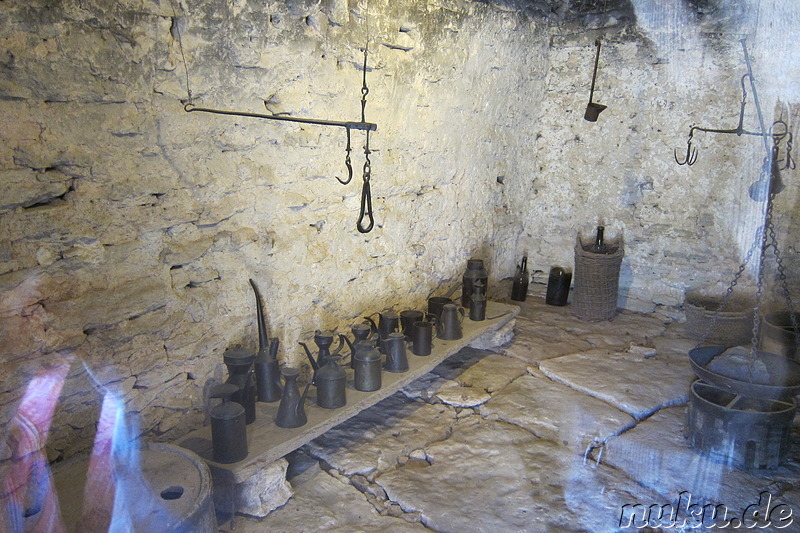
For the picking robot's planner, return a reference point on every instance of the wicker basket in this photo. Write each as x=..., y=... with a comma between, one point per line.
x=733, y=325
x=596, y=282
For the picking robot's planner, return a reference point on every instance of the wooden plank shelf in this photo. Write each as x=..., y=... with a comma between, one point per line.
x=267, y=442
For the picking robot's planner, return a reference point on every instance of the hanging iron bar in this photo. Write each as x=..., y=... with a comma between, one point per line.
x=369, y=126
x=366, y=193
x=691, y=152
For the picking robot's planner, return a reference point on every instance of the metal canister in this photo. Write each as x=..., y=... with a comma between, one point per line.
x=475, y=272
x=331, y=381
x=367, y=367
x=228, y=426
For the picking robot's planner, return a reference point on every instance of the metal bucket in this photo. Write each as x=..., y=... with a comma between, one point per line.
x=169, y=492
x=777, y=334
x=740, y=431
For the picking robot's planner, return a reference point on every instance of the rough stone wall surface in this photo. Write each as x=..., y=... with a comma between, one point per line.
x=129, y=228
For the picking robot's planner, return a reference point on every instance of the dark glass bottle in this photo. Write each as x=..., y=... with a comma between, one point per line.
x=599, y=246
x=519, y=288
x=558, y=286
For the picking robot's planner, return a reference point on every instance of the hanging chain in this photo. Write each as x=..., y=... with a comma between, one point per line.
x=366, y=195
x=366, y=191
x=729, y=291
x=177, y=27
x=782, y=276
x=790, y=164
x=364, y=88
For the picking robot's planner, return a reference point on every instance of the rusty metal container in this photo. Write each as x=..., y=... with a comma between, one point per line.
x=778, y=334
x=740, y=431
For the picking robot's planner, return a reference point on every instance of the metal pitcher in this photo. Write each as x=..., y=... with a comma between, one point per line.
x=267, y=371
x=291, y=410
x=395, y=348
x=449, y=326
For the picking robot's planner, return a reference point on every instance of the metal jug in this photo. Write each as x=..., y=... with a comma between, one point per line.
x=449, y=326
x=363, y=332
x=395, y=348
x=388, y=321
x=323, y=340
x=267, y=371
x=422, y=338
x=291, y=411
x=407, y=320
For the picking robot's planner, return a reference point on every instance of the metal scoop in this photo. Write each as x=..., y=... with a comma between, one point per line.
x=594, y=109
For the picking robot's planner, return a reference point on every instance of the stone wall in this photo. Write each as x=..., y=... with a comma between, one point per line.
x=129, y=228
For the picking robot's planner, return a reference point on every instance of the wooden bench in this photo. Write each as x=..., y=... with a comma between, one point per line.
x=267, y=442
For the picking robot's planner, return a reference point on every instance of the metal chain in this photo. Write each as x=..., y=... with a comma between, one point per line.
x=366, y=191
x=782, y=278
x=177, y=27
x=729, y=291
x=762, y=240
x=364, y=88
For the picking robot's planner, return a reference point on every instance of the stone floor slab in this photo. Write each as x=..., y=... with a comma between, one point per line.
x=635, y=384
x=481, y=370
x=490, y=476
x=383, y=435
x=556, y=412
x=322, y=502
x=656, y=453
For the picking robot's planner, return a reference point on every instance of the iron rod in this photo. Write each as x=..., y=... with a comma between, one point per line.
x=755, y=97
x=368, y=126
x=594, y=75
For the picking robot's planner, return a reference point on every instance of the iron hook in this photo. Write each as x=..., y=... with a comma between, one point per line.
x=691, y=152
x=347, y=161
x=366, y=194
x=691, y=156
x=366, y=209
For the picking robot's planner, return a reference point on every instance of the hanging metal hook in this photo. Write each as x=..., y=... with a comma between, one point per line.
x=347, y=161
x=691, y=152
x=366, y=195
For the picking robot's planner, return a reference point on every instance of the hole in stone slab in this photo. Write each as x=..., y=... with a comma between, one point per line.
x=32, y=511
x=172, y=493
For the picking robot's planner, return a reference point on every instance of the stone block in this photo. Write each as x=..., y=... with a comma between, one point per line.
x=263, y=492
x=494, y=339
